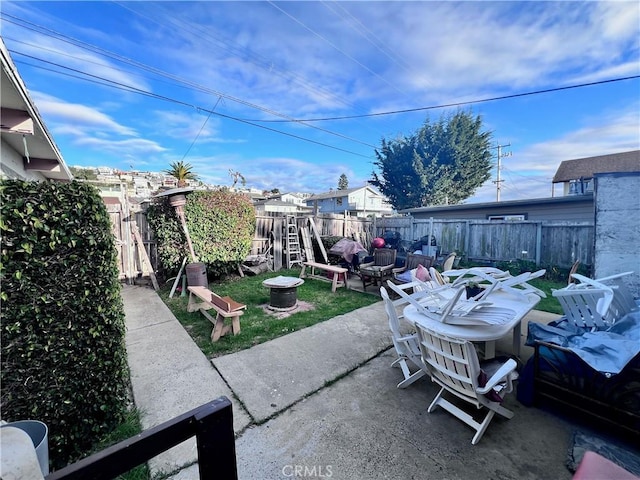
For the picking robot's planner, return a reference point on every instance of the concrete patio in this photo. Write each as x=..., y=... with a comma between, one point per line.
x=323, y=402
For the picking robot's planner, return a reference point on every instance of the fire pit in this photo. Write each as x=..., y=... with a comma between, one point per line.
x=284, y=292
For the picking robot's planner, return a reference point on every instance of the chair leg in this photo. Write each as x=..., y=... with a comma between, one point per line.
x=481, y=427
x=409, y=377
x=412, y=378
x=435, y=401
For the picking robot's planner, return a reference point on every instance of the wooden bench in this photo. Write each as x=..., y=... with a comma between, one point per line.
x=225, y=307
x=336, y=282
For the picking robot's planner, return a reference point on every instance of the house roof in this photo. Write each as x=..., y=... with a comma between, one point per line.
x=503, y=204
x=341, y=193
x=584, y=168
x=22, y=122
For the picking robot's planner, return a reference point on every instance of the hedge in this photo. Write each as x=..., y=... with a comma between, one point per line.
x=62, y=321
x=221, y=225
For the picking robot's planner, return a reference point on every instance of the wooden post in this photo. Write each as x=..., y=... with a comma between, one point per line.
x=175, y=284
x=143, y=253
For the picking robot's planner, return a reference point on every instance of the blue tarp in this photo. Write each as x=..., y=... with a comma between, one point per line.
x=607, y=351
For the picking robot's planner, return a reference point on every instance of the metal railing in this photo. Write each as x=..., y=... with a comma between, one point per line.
x=211, y=424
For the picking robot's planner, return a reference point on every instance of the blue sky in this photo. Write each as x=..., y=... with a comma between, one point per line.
x=263, y=64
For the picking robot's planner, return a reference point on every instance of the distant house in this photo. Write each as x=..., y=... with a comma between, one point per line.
x=294, y=198
x=578, y=208
x=27, y=150
x=360, y=202
x=576, y=203
x=274, y=205
x=576, y=176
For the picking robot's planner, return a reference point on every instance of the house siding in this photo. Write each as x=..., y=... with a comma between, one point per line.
x=12, y=165
x=575, y=208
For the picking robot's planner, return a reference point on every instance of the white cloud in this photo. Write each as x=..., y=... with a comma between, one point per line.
x=200, y=128
x=80, y=117
x=266, y=173
x=128, y=147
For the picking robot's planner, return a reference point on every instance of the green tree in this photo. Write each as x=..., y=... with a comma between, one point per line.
x=83, y=173
x=343, y=182
x=182, y=171
x=441, y=163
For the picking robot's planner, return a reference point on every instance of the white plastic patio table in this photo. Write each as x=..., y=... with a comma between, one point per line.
x=520, y=304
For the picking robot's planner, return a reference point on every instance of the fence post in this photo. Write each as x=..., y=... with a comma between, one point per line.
x=216, y=452
x=538, y=242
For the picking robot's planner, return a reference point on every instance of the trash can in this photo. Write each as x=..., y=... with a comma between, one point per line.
x=39, y=434
x=197, y=275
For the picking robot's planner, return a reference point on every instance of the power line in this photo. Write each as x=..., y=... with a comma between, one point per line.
x=459, y=104
x=245, y=53
x=121, y=86
x=350, y=57
x=162, y=73
x=201, y=128
x=370, y=36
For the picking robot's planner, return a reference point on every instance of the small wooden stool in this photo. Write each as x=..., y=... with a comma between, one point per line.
x=225, y=307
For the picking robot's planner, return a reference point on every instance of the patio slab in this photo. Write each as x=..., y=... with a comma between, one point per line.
x=274, y=375
x=169, y=374
x=323, y=402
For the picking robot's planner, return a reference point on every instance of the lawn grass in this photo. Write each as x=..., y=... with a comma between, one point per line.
x=257, y=326
x=126, y=430
x=549, y=304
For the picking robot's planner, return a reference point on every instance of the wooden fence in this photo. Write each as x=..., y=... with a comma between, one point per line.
x=545, y=243
x=267, y=239
x=132, y=260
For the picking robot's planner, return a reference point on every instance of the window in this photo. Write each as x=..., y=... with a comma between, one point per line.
x=507, y=218
x=339, y=201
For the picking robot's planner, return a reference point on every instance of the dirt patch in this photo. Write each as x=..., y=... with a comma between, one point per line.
x=300, y=307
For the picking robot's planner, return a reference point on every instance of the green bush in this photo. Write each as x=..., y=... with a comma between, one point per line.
x=169, y=235
x=221, y=225
x=62, y=321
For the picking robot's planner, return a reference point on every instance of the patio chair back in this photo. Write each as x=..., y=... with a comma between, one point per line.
x=415, y=259
x=406, y=346
x=383, y=257
x=623, y=301
x=454, y=365
x=448, y=262
x=586, y=307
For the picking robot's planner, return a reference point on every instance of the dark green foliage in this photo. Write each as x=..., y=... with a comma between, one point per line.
x=343, y=182
x=518, y=266
x=443, y=162
x=62, y=320
x=221, y=225
x=167, y=230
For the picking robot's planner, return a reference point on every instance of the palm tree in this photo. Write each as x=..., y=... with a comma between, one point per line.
x=182, y=171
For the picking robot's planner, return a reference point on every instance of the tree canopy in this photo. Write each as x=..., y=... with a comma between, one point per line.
x=441, y=163
x=343, y=182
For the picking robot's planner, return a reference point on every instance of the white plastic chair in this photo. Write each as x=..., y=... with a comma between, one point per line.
x=586, y=307
x=622, y=302
x=449, y=261
x=449, y=305
x=406, y=346
x=453, y=364
x=437, y=277
x=517, y=285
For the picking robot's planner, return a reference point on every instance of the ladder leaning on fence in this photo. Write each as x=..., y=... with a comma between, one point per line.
x=293, y=253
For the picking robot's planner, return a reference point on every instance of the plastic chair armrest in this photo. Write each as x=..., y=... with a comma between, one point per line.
x=502, y=373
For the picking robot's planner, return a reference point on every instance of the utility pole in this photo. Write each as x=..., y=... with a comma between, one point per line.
x=498, y=180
